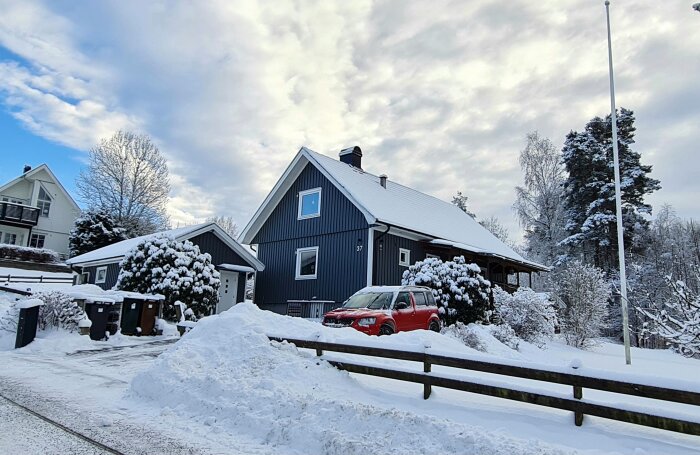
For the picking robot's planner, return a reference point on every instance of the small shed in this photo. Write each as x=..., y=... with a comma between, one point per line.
x=233, y=284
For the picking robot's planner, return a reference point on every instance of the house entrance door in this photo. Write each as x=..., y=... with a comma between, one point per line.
x=227, y=291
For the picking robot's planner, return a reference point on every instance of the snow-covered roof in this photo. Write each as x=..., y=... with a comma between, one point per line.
x=29, y=174
x=113, y=253
x=396, y=205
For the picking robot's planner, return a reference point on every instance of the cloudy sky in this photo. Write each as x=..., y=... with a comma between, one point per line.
x=438, y=94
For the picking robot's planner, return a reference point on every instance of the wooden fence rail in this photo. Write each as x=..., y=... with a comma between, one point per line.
x=578, y=383
x=38, y=279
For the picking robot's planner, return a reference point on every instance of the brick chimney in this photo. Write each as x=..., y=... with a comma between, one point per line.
x=352, y=156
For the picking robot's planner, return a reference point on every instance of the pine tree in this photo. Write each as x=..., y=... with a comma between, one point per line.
x=461, y=201
x=590, y=190
x=93, y=230
x=177, y=270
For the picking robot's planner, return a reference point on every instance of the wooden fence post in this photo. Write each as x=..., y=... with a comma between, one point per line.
x=578, y=416
x=427, y=388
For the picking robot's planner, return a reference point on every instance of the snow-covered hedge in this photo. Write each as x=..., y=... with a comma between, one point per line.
x=23, y=253
x=59, y=311
x=531, y=315
x=177, y=270
x=583, y=293
x=460, y=290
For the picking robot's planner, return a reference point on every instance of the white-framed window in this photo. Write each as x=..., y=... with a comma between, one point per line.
x=43, y=202
x=10, y=238
x=37, y=240
x=404, y=257
x=101, y=275
x=307, y=263
x=309, y=204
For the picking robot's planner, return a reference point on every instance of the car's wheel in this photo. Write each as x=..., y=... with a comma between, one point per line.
x=386, y=330
x=434, y=326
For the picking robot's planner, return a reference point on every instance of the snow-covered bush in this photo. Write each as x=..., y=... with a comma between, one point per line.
x=505, y=334
x=93, y=230
x=678, y=321
x=59, y=311
x=583, y=293
x=459, y=289
x=531, y=315
x=466, y=334
x=23, y=253
x=178, y=270
x=9, y=316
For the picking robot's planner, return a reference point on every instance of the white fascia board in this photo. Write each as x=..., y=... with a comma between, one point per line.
x=278, y=191
x=229, y=241
x=282, y=186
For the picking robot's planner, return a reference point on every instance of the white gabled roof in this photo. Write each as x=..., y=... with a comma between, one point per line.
x=396, y=205
x=113, y=253
x=29, y=174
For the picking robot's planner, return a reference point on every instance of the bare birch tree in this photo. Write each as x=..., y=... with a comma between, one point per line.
x=226, y=223
x=540, y=201
x=127, y=177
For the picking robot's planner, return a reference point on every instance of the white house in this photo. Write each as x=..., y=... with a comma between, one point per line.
x=37, y=211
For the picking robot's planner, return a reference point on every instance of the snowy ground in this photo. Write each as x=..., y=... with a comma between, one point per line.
x=224, y=388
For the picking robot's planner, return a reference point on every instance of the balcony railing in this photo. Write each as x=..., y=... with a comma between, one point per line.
x=18, y=214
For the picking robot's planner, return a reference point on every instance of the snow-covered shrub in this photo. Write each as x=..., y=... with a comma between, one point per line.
x=466, y=334
x=59, y=311
x=23, y=253
x=93, y=230
x=678, y=321
x=9, y=317
x=178, y=270
x=531, y=315
x=459, y=289
x=505, y=334
x=583, y=293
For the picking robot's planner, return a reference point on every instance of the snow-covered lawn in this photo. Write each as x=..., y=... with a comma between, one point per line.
x=224, y=388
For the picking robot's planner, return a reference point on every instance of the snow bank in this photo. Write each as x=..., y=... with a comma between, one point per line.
x=225, y=373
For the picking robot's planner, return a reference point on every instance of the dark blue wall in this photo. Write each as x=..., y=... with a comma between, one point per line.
x=386, y=250
x=341, y=269
x=112, y=274
x=219, y=251
x=338, y=214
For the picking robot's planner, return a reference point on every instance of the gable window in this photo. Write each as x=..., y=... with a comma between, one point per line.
x=37, y=240
x=404, y=257
x=101, y=275
x=43, y=202
x=307, y=263
x=309, y=204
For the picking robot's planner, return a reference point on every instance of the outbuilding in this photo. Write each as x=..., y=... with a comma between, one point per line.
x=235, y=262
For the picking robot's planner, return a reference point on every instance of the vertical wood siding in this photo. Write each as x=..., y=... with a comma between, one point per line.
x=386, y=250
x=341, y=269
x=338, y=214
x=112, y=275
x=220, y=253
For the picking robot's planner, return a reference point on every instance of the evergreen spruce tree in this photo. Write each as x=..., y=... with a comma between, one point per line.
x=590, y=191
x=93, y=230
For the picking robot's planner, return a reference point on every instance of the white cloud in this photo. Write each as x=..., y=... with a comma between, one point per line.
x=439, y=95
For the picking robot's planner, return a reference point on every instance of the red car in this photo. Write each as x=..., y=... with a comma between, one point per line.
x=383, y=310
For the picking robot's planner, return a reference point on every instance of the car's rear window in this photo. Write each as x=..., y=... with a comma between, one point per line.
x=420, y=299
x=431, y=299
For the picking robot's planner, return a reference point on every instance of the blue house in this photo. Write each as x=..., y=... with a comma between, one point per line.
x=329, y=228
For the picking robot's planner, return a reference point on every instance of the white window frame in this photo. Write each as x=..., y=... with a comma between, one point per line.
x=407, y=262
x=97, y=275
x=41, y=203
x=297, y=269
x=301, y=197
x=43, y=242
